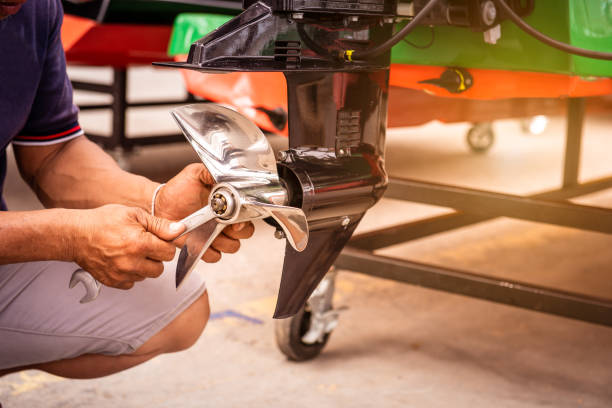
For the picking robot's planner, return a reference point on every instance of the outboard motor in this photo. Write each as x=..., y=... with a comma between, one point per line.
x=333, y=170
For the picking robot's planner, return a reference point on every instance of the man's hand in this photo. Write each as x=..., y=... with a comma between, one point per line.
x=186, y=193
x=121, y=245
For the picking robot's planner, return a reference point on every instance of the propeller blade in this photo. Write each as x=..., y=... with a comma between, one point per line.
x=291, y=219
x=302, y=271
x=231, y=146
x=196, y=244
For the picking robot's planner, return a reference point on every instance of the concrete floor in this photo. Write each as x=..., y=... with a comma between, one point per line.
x=396, y=345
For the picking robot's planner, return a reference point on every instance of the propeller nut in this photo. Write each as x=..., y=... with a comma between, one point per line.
x=222, y=204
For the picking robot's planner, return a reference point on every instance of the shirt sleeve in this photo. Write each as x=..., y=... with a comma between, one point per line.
x=53, y=117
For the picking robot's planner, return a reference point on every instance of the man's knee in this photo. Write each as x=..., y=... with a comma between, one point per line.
x=189, y=325
x=182, y=332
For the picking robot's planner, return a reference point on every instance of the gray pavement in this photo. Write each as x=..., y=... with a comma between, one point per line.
x=396, y=345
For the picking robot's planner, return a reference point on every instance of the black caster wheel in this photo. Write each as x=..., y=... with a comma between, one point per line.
x=303, y=336
x=289, y=333
x=480, y=137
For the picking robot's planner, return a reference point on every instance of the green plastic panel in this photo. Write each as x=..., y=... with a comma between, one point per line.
x=190, y=27
x=583, y=23
x=591, y=27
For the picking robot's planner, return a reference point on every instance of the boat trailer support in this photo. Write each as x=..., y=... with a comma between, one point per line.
x=475, y=206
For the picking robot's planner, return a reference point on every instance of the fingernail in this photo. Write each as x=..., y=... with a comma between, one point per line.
x=238, y=227
x=176, y=226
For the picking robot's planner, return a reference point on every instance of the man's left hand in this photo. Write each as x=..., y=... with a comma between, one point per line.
x=186, y=193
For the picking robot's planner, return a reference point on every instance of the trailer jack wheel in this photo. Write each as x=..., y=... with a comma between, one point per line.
x=480, y=137
x=303, y=336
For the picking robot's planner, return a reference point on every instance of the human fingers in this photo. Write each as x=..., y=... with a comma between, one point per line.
x=180, y=242
x=223, y=243
x=205, y=177
x=160, y=227
x=211, y=255
x=124, y=285
x=147, y=268
x=119, y=280
x=134, y=269
x=242, y=230
x=156, y=249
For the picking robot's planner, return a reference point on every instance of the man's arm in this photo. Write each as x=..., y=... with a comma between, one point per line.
x=118, y=245
x=78, y=174
x=35, y=235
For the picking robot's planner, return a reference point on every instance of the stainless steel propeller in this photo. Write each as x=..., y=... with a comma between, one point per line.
x=243, y=165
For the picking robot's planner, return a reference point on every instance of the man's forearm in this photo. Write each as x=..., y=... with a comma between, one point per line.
x=81, y=175
x=36, y=235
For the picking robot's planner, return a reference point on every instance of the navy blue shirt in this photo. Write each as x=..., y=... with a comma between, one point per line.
x=36, y=105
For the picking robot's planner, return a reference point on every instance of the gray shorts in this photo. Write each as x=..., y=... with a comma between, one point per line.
x=42, y=320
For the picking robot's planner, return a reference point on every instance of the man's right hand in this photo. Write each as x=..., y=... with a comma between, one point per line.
x=121, y=245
